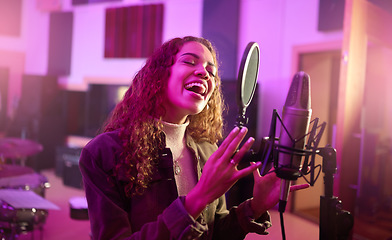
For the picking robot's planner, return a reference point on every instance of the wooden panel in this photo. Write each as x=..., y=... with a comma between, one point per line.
x=350, y=99
x=152, y=28
x=110, y=31
x=364, y=25
x=133, y=32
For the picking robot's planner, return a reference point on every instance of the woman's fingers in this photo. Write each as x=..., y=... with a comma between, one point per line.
x=231, y=143
x=246, y=171
x=237, y=157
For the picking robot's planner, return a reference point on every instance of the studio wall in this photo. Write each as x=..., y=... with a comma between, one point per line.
x=77, y=58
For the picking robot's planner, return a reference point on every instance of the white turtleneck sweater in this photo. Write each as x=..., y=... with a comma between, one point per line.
x=184, y=164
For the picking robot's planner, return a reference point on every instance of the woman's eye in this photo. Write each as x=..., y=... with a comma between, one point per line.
x=189, y=62
x=211, y=73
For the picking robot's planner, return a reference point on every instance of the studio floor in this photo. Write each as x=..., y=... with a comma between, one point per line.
x=60, y=226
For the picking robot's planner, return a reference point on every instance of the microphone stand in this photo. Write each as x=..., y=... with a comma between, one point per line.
x=335, y=223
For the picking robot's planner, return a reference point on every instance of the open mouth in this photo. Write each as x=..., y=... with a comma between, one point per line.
x=196, y=87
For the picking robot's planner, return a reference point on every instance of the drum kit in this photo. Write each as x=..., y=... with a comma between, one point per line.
x=23, y=207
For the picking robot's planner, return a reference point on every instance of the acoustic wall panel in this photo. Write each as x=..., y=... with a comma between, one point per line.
x=331, y=13
x=220, y=26
x=10, y=17
x=133, y=32
x=60, y=43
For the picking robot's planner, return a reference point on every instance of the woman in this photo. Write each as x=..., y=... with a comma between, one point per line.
x=147, y=176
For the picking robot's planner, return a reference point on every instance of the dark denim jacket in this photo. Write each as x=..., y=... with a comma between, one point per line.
x=158, y=213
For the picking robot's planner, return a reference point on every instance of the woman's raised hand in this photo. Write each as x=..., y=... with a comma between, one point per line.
x=220, y=172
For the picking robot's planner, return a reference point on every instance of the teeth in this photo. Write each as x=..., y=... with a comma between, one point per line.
x=195, y=84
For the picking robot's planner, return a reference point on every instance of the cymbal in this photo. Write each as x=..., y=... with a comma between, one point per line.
x=18, y=148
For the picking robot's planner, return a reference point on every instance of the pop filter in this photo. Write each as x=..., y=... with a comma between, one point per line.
x=247, y=79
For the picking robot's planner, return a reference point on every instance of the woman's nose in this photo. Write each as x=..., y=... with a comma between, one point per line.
x=202, y=72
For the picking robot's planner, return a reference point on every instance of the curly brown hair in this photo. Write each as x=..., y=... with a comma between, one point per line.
x=135, y=116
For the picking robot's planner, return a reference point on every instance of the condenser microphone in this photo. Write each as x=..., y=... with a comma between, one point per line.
x=295, y=123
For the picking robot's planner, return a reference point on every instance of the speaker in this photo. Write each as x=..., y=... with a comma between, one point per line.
x=40, y=117
x=67, y=166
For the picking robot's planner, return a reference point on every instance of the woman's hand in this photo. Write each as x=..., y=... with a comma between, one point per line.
x=266, y=191
x=220, y=172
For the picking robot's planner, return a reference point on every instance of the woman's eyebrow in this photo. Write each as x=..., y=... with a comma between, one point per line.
x=198, y=57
